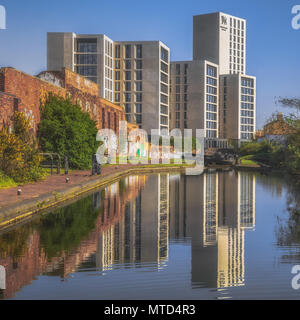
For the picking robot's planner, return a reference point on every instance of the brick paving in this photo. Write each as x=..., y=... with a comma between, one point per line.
x=53, y=183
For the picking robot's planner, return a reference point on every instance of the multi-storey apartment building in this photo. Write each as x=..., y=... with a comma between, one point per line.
x=142, y=82
x=195, y=96
x=198, y=101
x=221, y=38
x=237, y=106
x=134, y=75
x=88, y=55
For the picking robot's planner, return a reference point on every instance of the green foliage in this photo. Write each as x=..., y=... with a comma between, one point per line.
x=64, y=229
x=67, y=130
x=14, y=243
x=184, y=140
x=6, y=181
x=19, y=153
x=264, y=152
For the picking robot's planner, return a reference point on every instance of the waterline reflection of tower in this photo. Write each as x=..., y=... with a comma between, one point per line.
x=247, y=200
x=220, y=208
x=238, y=214
x=163, y=183
x=210, y=221
x=139, y=236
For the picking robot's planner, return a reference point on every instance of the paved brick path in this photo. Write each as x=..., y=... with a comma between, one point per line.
x=52, y=183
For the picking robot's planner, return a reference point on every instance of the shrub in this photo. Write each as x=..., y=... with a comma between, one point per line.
x=20, y=158
x=67, y=130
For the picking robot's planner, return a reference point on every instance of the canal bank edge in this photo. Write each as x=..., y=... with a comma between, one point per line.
x=19, y=212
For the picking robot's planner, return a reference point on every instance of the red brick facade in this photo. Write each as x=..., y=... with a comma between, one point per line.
x=24, y=93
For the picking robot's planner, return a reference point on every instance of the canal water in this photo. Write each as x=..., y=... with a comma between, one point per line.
x=223, y=235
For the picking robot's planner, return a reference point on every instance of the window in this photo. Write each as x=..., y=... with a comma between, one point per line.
x=86, y=59
x=127, y=97
x=139, y=64
x=127, y=86
x=117, y=64
x=211, y=71
x=117, y=75
x=164, y=88
x=128, y=117
x=108, y=118
x=139, y=51
x=211, y=107
x=127, y=75
x=128, y=108
x=211, y=134
x=86, y=45
x=138, y=97
x=211, y=81
x=87, y=71
x=163, y=78
x=117, y=86
x=127, y=64
x=211, y=90
x=138, y=86
x=164, y=109
x=138, y=118
x=186, y=66
x=164, y=55
x=164, y=99
x=117, y=97
x=117, y=51
x=177, y=69
x=127, y=51
x=115, y=121
x=164, y=120
x=138, y=75
x=212, y=99
x=103, y=119
x=138, y=108
x=177, y=106
x=164, y=67
x=211, y=116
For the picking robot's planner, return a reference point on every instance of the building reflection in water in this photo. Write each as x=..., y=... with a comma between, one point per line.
x=131, y=225
x=141, y=235
x=214, y=213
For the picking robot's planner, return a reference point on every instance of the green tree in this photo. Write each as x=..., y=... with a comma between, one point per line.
x=292, y=151
x=67, y=130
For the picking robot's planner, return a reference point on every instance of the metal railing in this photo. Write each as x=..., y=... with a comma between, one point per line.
x=49, y=164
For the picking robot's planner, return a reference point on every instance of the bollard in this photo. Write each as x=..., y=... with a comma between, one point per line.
x=67, y=180
x=19, y=192
x=98, y=168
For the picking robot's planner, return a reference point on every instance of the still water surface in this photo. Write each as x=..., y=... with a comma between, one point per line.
x=168, y=236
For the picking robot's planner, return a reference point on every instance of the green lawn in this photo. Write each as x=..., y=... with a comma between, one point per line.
x=248, y=161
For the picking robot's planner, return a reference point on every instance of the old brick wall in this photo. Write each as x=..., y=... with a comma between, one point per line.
x=7, y=103
x=32, y=90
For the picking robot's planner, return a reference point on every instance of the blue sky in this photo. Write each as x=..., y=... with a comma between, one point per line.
x=273, y=47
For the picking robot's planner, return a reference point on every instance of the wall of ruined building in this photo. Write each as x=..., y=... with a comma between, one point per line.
x=30, y=91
